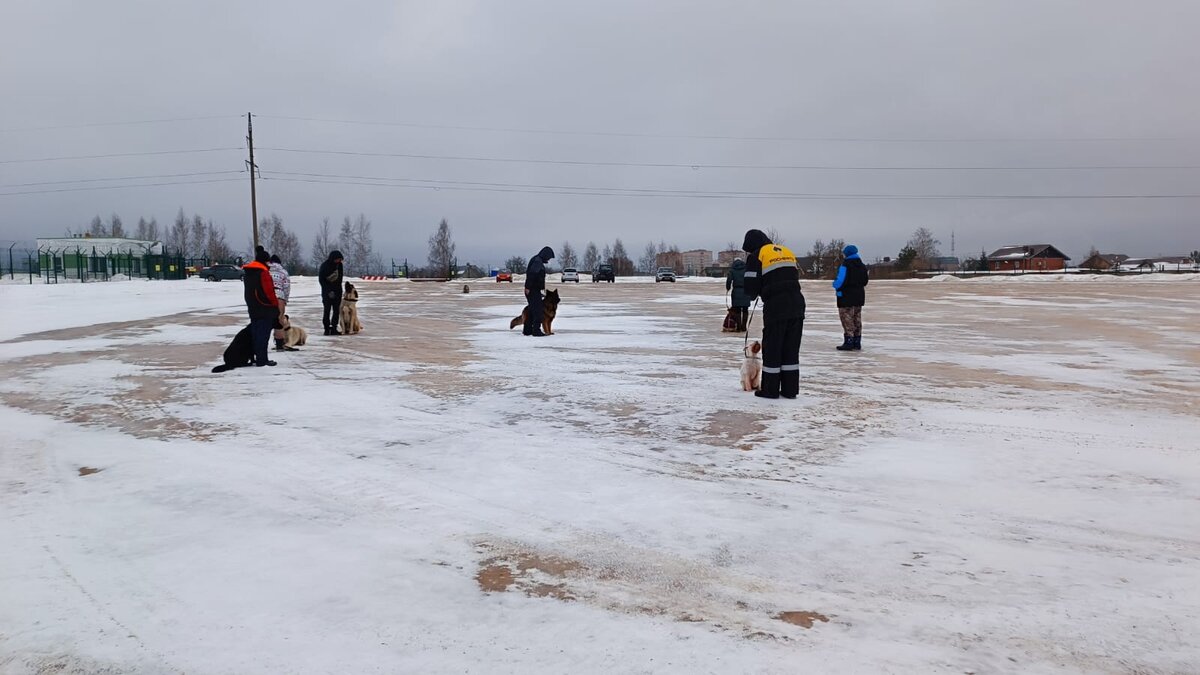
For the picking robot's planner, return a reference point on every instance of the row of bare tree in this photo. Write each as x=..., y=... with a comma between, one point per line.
x=198, y=238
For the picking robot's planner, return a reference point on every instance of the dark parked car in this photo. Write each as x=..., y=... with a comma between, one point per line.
x=220, y=272
x=604, y=273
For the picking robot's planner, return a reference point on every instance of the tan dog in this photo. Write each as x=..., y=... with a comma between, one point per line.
x=350, y=322
x=752, y=366
x=293, y=335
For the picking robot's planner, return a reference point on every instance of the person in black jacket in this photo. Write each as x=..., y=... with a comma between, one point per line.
x=261, y=304
x=773, y=275
x=535, y=283
x=851, y=287
x=739, y=302
x=330, y=276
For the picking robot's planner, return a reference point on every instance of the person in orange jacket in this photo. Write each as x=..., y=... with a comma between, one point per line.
x=261, y=304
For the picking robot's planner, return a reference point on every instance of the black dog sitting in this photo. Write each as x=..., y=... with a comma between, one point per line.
x=239, y=353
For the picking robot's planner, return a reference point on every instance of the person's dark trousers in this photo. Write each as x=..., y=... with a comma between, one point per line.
x=260, y=333
x=743, y=315
x=333, y=310
x=533, y=318
x=781, y=358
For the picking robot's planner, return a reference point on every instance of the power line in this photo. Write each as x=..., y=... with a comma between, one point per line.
x=371, y=181
x=116, y=124
x=811, y=139
x=116, y=178
x=698, y=166
x=119, y=187
x=116, y=154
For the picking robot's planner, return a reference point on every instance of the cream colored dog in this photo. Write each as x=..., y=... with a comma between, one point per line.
x=350, y=322
x=293, y=335
x=752, y=366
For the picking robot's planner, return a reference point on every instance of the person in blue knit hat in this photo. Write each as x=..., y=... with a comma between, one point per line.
x=851, y=287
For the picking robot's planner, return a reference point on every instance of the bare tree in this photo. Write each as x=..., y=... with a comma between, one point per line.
x=817, y=253
x=622, y=265
x=152, y=233
x=648, y=261
x=591, y=257
x=96, y=227
x=774, y=235
x=515, y=264
x=925, y=246
x=199, y=238
x=323, y=244
x=441, y=250
x=1093, y=251
x=142, y=231
x=567, y=256
x=116, y=228
x=606, y=256
x=177, y=238
x=277, y=239
x=218, y=250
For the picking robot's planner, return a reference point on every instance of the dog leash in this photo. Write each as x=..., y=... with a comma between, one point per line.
x=749, y=320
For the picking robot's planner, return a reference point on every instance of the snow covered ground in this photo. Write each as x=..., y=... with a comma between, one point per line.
x=1006, y=479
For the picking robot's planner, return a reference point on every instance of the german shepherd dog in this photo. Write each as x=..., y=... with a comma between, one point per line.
x=350, y=322
x=549, y=311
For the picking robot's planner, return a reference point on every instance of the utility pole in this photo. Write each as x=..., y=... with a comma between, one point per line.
x=253, y=169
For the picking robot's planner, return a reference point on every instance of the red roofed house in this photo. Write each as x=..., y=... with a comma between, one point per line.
x=1027, y=258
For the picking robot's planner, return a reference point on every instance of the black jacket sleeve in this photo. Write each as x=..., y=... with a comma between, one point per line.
x=753, y=278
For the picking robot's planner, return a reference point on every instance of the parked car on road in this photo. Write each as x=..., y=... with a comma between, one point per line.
x=570, y=274
x=604, y=273
x=664, y=274
x=504, y=275
x=220, y=272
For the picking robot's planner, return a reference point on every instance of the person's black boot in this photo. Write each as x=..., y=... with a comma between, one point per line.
x=857, y=343
x=762, y=394
x=847, y=343
x=278, y=345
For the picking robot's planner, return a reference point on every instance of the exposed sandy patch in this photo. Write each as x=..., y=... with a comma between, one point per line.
x=802, y=619
x=622, y=579
x=88, y=470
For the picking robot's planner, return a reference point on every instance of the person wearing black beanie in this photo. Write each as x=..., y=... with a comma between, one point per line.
x=261, y=304
x=330, y=277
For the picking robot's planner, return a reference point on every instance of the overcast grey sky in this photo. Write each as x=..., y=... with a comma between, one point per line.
x=1013, y=83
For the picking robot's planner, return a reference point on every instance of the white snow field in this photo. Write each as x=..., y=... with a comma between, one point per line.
x=1005, y=480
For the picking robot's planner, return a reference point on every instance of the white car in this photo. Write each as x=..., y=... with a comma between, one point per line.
x=570, y=274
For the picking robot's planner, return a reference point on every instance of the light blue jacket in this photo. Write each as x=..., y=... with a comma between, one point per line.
x=841, y=277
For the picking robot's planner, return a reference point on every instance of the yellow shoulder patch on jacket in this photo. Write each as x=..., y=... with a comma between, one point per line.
x=774, y=256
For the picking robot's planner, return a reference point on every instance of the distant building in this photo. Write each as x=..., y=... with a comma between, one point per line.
x=1027, y=258
x=1174, y=263
x=697, y=260
x=725, y=258
x=672, y=259
x=1104, y=261
x=947, y=263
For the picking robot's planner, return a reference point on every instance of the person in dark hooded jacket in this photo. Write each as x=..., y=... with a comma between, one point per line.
x=739, y=302
x=535, y=283
x=330, y=276
x=261, y=304
x=851, y=287
x=773, y=275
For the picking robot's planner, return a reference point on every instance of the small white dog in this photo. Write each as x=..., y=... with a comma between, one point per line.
x=752, y=366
